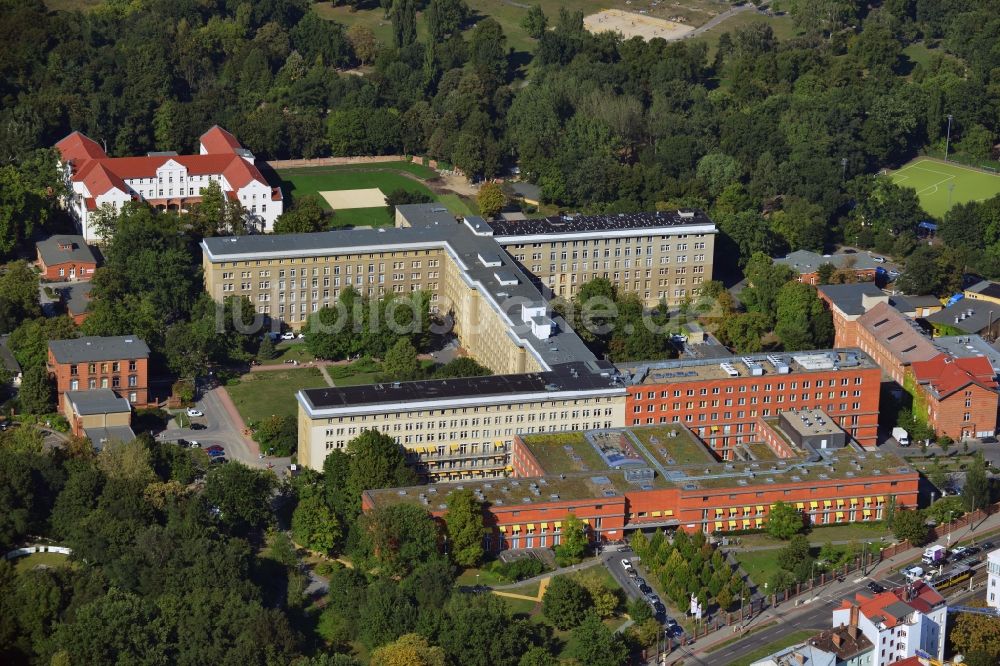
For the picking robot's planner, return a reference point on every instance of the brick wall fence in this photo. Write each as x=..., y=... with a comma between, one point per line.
x=939, y=531
x=334, y=161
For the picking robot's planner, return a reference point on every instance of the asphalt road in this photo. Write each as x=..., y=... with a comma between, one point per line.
x=818, y=616
x=220, y=429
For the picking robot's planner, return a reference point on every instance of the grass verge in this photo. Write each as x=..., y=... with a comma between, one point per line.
x=259, y=395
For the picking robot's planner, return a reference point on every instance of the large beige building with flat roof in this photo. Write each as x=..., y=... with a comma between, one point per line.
x=547, y=380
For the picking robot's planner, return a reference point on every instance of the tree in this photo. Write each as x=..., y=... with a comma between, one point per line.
x=396, y=538
x=315, y=526
x=404, y=22
x=464, y=525
x=744, y=332
x=401, y=196
x=488, y=53
x=605, y=601
x=783, y=521
x=374, y=460
x=977, y=634
x=795, y=552
x=216, y=214
x=266, y=351
x=910, y=525
x=364, y=42
x=36, y=394
x=408, y=650
x=803, y=321
x=535, y=22
x=18, y=295
x=306, y=216
x=825, y=272
x=445, y=18
x=639, y=611
x=573, y=544
x=478, y=630
x=801, y=224
x=241, y=495
x=463, y=366
x=594, y=644
x=117, y=627
x=565, y=602
x=277, y=434
x=764, y=281
x=717, y=171
x=400, y=362
x=490, y=199
x=976, y=492
x=931, y=270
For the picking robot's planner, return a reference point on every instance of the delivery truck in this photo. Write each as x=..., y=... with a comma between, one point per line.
x=935, y=554
x=901, y=436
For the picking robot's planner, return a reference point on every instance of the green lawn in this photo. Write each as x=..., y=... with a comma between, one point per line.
x=760, y=565
x=781, y=25
x=485, y=577
x=259, y=395
x=458, y=205
x=785, y=641
x=29, y=562
x=364, y=371
x=386, y=176
x=940, y=185
x=290, y=351
x=820, y=535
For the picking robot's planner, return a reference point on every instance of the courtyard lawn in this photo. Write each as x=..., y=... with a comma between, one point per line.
x=29, y=562
x=258, y=395
x=819, y=535
x=477, y=576
x=294, y=351
x=940, y=185
x=760, y=565
x=386, y=176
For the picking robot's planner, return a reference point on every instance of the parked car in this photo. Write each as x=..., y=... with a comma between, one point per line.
x=633, y=573
x=219, y=461
x=876, y=588
x=973, y=550
x=645, y=589
x=878, y=260
x=216, y=453
x=676, y=631
x=627, y=564
x=987, y=545
x=623, y=549
x=640, y=581
x=197, y=426
x=670, y=622
x=959, y=552
x=214, y=447
x=288, y=336
x=194, y=412
x=194, y=445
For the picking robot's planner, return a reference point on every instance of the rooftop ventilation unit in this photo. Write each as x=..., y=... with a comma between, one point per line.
x=779, y=365
x=755, y=368
x=729, y=369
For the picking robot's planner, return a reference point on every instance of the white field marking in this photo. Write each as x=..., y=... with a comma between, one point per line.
x=363, y=198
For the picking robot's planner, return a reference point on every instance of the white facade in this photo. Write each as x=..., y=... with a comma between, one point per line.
x=993, y=582
x=165, y=181
x=895, y=640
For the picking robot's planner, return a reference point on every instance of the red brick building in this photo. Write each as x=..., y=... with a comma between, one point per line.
x=120, y=364
x=959, y=395
x=720, y=400
x=893, y=340
x=526, y=512
x=65, y=258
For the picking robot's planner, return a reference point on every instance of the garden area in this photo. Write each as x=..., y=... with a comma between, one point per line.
x=261, y=394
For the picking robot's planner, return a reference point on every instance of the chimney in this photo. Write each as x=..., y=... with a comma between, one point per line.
x=852, y=631
x=800, y=658
x=837, y=640
x=854, y=616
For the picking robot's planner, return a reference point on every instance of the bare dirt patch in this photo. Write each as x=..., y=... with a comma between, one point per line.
x=630, y=24
x=371, y=197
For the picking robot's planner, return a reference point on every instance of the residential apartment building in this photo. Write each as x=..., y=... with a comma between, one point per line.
x=958, y=394
x=119, y=364
x=839, y=646
x=65, y=258
x=899, y=622
x=165, y=180
x=984, y=290
x=721, y=400
x=660, y=256
x=620, y=480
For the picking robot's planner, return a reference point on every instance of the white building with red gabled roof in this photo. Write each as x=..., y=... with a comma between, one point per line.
x=898, y=622
x=166, y=181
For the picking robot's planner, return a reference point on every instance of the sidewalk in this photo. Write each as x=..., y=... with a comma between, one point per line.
x=549, y=574
x=788, y=609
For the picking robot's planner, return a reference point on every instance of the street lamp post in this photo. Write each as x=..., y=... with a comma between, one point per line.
x=947, y=140
x=951, y=189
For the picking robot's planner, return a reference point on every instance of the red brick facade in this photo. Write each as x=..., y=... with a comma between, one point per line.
x=127, y=377
x=959, y=394
x=717, y=509
x=723, y=412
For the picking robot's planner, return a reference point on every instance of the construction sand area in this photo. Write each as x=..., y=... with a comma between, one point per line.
x=365, y=198
x=630, y=24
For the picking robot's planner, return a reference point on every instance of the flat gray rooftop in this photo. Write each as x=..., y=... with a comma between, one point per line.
x=97, y=401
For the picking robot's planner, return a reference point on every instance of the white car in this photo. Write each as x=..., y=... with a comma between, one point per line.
x=194, y=412
x=626, y=564
x=194, y=445
x=288, y=336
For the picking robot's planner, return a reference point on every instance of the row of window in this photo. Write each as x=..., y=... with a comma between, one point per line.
x=74, y=385
x=743, y=388
x=115, y=366
x=702, y=404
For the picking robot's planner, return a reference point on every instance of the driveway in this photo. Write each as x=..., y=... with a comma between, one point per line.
x=224, y=427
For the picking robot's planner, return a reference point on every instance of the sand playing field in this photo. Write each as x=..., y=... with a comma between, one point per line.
x=630, y=24
x=367, y=198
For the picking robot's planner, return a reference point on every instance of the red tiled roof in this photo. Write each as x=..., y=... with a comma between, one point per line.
x=102, y=173
x=898, y=334
x=79, y=148
x=947, y=374
x=218, y=140
x=909, y=661
x=923, y=598
x=276, y=194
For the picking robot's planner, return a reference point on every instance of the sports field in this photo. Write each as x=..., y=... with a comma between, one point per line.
x=940, y=185
x=384, y=176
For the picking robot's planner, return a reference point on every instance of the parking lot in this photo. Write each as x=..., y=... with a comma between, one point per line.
x=625, y=568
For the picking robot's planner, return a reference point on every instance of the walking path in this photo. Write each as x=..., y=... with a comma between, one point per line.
x=593, y=562
x=716, y=20
x=326, y=375
x=542, y=585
